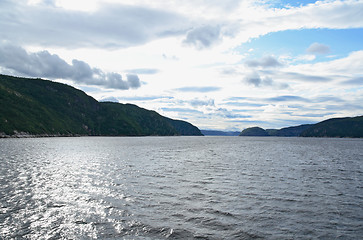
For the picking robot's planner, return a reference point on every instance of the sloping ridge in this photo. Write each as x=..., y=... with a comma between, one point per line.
x=254, y=131
x=294, y=131
x=43, y=107
x=350, y=127
x=336, y=127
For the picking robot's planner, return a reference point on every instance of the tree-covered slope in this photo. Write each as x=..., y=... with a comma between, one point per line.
x=288, y=131
x=283, y=132
x=184, y=128
x=337, y=127
x=39, y=107
x=254, y=131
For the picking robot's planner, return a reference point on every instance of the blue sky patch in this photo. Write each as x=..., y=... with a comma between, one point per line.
x=296, y=42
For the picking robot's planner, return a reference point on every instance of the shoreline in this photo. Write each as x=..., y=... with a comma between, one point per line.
x=45, y=135
x=28, y=135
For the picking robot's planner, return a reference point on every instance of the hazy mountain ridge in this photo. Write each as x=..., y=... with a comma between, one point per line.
x=334, y=127
x=42, y=107
x=219, y=133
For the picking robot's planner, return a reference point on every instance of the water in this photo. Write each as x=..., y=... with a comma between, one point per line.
x=181, y=188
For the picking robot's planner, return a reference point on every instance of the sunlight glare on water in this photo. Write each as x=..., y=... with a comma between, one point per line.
x=181, y=188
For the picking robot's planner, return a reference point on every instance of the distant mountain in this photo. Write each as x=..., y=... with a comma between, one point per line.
x=42, y=107
x=337, y=127
x=219, y=133
x=254, y=131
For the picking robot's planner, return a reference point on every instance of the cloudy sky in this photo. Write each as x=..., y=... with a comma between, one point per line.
x=223, y=65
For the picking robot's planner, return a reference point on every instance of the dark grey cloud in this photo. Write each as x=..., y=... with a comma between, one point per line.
x=146, y=98
x=200, y=102
x=294, y=98
x=354, y=81
x=349, y=106
x=276, y=124
x=203, y=37
x=288, y=98
x=226, y=5
x=198, y=89
x=171, y=57
x=305, y=77
x=236, y=98
x=221, y=112
x=229, y=71
x=230, y=114
x=327, y=99
x=253, y=79
x=133, y=81
x=46, y=65
x=293, y=122
x=265, y=62
x=319, y=115
x=318, y=48
x=109, y=99
x=143, y=71
x=40, y=64
x=245, y=104
x=256, y=122
x=256, y=80
x=298, y=101
x=183, y=110
x=111, y=26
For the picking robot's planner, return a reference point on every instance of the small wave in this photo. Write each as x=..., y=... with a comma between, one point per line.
x=53, y=205
x=223, y=213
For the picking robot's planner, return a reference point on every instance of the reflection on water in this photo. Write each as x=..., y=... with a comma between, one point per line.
x=181, y=188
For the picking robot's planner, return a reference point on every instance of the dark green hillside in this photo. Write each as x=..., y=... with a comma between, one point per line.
x=128, y=119
x=184, y=128
x=44, y=107
x=289, y=131
x=41, y=107
x=336, y=127
x=283, y=132
x=254, y=131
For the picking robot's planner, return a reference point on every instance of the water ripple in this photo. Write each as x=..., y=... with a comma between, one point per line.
x=181, y=188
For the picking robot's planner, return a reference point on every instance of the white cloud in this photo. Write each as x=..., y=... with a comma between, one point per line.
x=162, y=41
x=306, y=57
x=255, y=21
x=111, y=26
x=114, y=25
x=347, y=66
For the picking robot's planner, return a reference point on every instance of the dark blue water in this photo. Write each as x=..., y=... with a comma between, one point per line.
x=181, y=188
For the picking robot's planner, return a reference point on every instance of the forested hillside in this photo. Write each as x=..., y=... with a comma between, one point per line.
x=42, y=107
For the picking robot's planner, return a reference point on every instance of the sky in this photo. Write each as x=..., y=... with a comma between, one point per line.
x=220, y=65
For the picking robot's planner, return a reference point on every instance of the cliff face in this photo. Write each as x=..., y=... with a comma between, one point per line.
x=41, y=107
